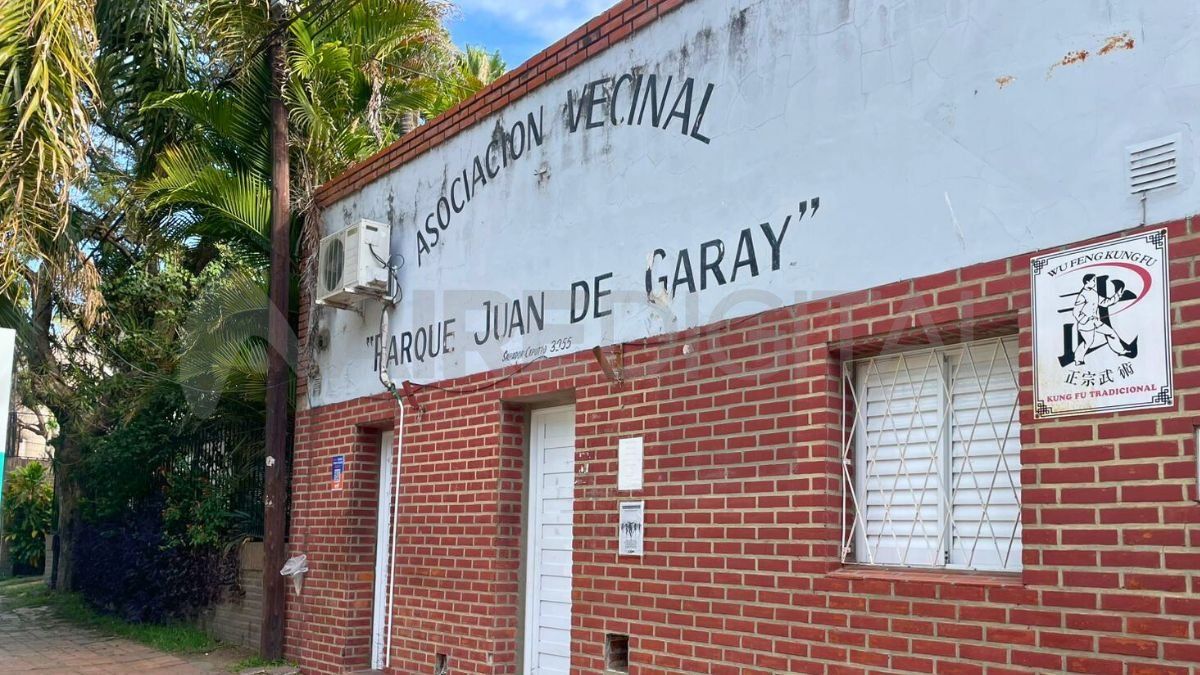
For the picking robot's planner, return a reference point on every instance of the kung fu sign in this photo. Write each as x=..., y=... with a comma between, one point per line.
x=1101, y=327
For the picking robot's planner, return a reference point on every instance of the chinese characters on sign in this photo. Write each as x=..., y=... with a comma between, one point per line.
x=1101, y=327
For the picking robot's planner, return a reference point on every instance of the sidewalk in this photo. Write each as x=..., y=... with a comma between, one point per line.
x=34, y=640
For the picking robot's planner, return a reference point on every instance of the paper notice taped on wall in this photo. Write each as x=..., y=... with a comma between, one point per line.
x=629, y=463
x=630, y=526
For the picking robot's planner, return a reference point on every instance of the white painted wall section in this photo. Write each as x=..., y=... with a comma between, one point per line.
x=892, y=138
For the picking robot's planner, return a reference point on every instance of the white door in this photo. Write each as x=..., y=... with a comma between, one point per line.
x=548, y=556
x=383, y=538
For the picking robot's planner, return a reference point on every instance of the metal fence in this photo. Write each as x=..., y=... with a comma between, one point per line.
x=231, y=457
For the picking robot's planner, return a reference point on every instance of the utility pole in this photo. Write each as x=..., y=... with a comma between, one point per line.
x=275, y=490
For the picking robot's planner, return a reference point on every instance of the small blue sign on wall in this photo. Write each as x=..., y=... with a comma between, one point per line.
x=338, y=471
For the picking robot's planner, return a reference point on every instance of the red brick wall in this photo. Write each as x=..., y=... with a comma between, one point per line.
x=329, y=622
x=743, y=482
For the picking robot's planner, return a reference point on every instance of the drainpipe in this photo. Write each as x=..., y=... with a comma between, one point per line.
x=386, y=380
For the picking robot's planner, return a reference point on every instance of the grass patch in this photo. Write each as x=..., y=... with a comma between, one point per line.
x=175, y=637
x=172, y=637
x=17, y=581
x=256, y=662
x=20, y=592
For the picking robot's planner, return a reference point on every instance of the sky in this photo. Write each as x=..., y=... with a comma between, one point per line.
x=520, y=28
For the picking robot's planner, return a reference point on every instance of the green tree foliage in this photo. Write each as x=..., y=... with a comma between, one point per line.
x=471, y=71
x=143, y=47
x=85, y=144
x=352, y=76
x=355, y=72
x=46, y=78
x=28, y=510
x=157, y=457
x=134, y=211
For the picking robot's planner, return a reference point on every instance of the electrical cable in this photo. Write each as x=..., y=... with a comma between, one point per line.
x=91, y=350
x=313, y=11
x=349, y=8
x=169, y=380
x=386, y=380
x=393, y=275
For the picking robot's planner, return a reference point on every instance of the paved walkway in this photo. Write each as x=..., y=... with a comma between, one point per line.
x=34, y=640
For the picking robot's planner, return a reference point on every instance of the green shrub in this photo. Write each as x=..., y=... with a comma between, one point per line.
x=127, y=568
x=28, y=508
x=197, y=511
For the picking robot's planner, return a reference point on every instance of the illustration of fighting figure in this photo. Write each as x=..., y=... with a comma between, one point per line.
x=1091, y=323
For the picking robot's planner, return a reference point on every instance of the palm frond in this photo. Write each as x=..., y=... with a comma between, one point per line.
x=235, y=27
x=232, y=123
x=46, y=76
x=225, y=342
x=224, y=204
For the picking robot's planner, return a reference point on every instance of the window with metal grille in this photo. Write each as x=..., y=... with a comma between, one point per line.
x=931, y=458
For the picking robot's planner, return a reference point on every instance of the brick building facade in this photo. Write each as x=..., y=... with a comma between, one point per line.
x=745, y=427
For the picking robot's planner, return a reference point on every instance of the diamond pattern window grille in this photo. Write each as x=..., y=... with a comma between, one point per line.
x=931, y=458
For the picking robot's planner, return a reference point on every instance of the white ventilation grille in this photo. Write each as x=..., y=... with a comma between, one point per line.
x=1153, y=165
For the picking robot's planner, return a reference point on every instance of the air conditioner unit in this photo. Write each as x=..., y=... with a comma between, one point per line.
x=352, y=264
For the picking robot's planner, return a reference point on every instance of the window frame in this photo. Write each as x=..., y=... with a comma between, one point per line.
x=855, y=446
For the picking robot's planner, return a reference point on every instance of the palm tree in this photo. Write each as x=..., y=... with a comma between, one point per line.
x=135, y=140
x=473, y=69
x=478, y=67
x=144, y=46
x=46, y=81
x=73, y=137
x=356, y=69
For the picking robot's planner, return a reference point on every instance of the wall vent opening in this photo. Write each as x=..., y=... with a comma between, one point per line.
x=1153, y=165
x=616, y=653
x=441, y=665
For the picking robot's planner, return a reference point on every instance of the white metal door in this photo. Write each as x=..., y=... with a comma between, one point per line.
x=383, y=535
x=548, y=557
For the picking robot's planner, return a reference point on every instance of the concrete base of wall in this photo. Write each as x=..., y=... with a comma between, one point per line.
x=237, y=618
